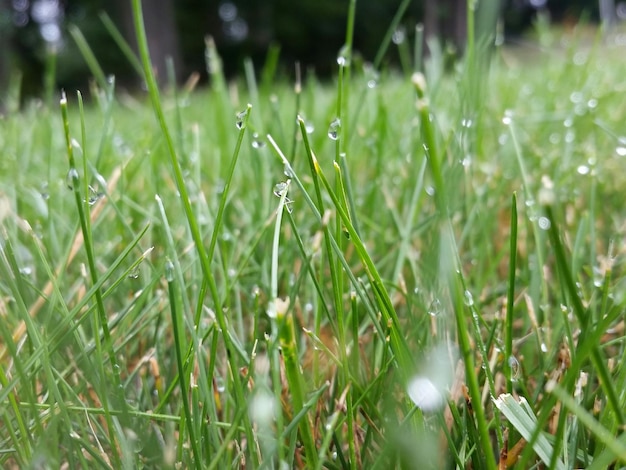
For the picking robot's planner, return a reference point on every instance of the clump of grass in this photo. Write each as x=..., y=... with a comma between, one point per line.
x=437, y=279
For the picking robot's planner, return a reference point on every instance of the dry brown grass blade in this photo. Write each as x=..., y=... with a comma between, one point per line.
x=20, y=330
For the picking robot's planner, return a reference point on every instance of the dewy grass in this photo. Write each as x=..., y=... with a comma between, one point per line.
x=159, y=267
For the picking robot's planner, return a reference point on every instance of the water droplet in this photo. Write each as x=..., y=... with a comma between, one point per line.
x=232, y=273
x=508, y=117
x=71, y=179
x=45, y=195
x=341, y=61
x=240, y=122
x=583, y=170
x=468, y=298
x=308, y=307
x=544, y=223
x=621, y=151
x=467, y=161
x=169, y=271
x=399, y=35
x=430, y=190
x=576, y=97
x=544, y=347
x=257, y=143
x=280, y=189
x=271, y=310
x=334, y=455
x=334, y=128
x=592, y=103
x=425, y=395
x=434, y=308
x=26, y=270
x=134, y=274
x=466, y=122
x=94, y=196
x=570, y=136
x=219, y=385
x=371, y=84
x=554, y=138
x=569, y=122
x=515, y=367
x=288, y=171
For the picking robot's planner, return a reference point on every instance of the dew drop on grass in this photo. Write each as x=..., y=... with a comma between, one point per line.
x=257, y=143
x=399, y=35
x=280, y=188
x=240, y=119
x=169, y=271
x=621, y=151
x=219, y=385
x=371, y=84
x=583, y=170
x=134, y=274
x=576, y=97
x=434, y=308
x=508, y=117
x=45, y=195
x=430, y=190
x=334, y=128
x=544, y=348
x=468, y=298
x=94, y=196
x=544, y=223
x=71, y=179
x=26, y=270
x=515, y=367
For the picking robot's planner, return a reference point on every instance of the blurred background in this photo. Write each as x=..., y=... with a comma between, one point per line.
x=40, y=36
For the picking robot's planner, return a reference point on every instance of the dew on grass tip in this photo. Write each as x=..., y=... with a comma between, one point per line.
x=280, y=188
x=240, y=123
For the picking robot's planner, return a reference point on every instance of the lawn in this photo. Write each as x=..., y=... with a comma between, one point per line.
x=412, y=270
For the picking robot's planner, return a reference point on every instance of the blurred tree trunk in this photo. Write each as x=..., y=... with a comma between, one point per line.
x=160, y=23
x=446, y=20
x=6, y=14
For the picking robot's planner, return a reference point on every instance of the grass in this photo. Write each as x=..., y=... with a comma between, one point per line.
x=357, y=274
